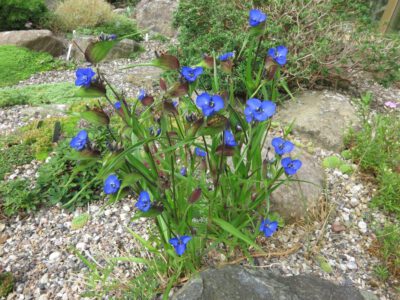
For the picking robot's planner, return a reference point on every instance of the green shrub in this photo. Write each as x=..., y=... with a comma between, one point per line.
x=317, y=35
x=16, y=196
x=14, y=14
x=389, y=248
x=376, y=148
x=59, y=182
x=58, y=93
x=13, y=155
x=119, y=25
x=388, y=195
x=72, y=14
x=18, y=64
x=39, y=135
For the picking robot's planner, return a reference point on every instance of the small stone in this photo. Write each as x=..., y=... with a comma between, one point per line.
x=338, y=227
x=2, y=227
x=81, y=246
x=352, y=265
x=54, y=257
x=362, y=226
x=43, y=297
x=354, y=202
x=44, y=279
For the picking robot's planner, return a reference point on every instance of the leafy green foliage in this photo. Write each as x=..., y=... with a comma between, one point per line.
x=13, y=154
x=16, y=196
x=58, y=93
x=376, y=148
x=14, y=14
x=389, y=250
x=58, y=182
x=39, y=135
x=6, y=283
x=119, y=25
x=315, y=57
x=18, y=64
x=332, y=162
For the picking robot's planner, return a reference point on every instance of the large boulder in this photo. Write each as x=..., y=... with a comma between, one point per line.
x=295, y=199
x=238, y=282
x=156, y=15
x=123, y=49
x=38, y=40
x=322, y=117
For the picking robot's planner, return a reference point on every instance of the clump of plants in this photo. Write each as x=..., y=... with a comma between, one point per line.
x=326, y=39
x=17, y=14
x=13, y=154
x=17, y=63
x=118, y=25
x=72, y=14
x=193, y=156
x=57, y=93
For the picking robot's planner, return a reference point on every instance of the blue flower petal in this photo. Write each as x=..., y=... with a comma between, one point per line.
x=218, y=102
x=203, y=100
x=174, y=242
x=253, y=103
x=185, y=239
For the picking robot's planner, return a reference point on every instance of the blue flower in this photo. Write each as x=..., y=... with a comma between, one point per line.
x=79, y=141
x=229, y=138
x=259, y=110
x=151, y=130
x=117, y=105
x=112, y=37
x=112, y=184
x=291, y=166
x=256, y=17
x=84, y=76
x=183, y=171
x=268, y=227
x=209, y=104
x=278, y=54
x=281, y=146
x=226, y=56
x=191, y=74
x=142, y=94
x=143, y=203
x=175, y=103
x=179, y=243
x=200, y=152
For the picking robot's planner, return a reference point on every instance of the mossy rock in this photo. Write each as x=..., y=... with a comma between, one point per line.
x=332, y=162
x=346, y=154
x=6, y=284
x=346, y=169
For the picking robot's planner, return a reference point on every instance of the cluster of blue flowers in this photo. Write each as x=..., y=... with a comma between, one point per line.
x=255, y=110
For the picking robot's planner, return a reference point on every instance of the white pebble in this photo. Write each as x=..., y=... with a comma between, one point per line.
x=362, y=226
x=54, y=257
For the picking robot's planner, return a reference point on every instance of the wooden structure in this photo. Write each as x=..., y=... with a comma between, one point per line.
x=391, y=16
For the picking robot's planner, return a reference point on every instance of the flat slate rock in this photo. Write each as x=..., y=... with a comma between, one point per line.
x=239, y=283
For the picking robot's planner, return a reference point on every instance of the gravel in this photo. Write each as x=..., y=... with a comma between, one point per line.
x=38, y=251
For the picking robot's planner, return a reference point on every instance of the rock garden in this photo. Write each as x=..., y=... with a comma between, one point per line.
x=198, y=149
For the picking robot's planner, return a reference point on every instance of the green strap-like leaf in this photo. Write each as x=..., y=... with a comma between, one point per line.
x=97, y=51
x=235, y=232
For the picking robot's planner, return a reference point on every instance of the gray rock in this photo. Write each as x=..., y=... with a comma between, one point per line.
x=322, y=117
x=156, y=15
x=38, y=40
x=237, y=282
x=123, y=49
x=295, y=199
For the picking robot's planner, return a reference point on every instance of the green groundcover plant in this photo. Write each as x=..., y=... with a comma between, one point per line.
x=192, y=157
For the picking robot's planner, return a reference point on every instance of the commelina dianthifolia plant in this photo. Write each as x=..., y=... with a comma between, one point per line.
x=192, y=156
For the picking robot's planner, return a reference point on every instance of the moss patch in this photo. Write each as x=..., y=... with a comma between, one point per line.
x=18, y=64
